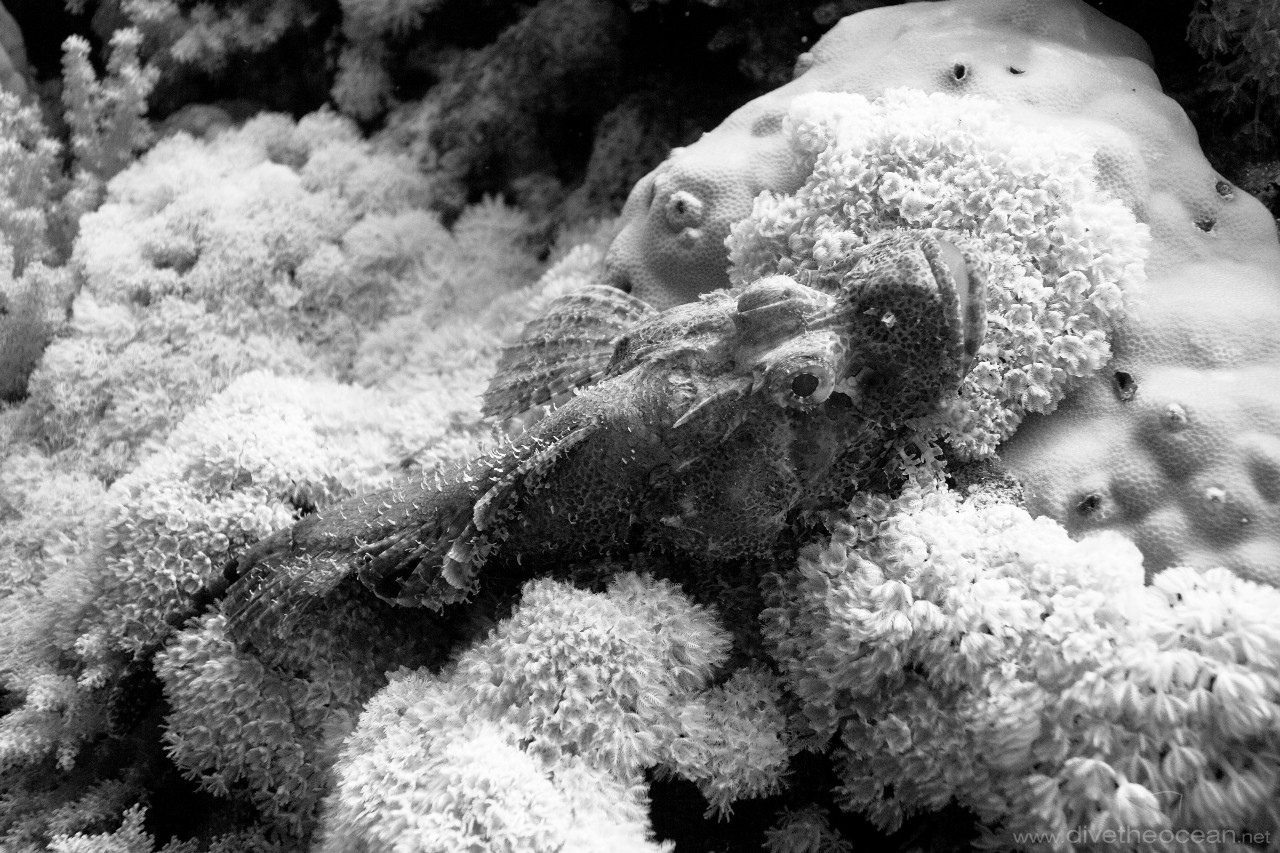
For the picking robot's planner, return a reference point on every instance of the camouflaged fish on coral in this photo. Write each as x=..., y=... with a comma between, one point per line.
x=707, y=430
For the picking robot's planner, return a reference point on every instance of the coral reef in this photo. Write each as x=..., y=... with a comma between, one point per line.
x=252, y=317
x=704, y=431
x=271, y=52
x=266, y=725
x=106, y=116
x=500, y=112
x=30, y=310
x=665, y=259
x=33, y=225
x=363, y=88
x=207, y=36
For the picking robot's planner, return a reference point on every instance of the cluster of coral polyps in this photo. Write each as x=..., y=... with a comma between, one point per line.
x=1176, y=442
x=1059, y=258
x=970, y=653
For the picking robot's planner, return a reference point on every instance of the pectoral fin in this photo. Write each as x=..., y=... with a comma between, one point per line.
x=568, y=347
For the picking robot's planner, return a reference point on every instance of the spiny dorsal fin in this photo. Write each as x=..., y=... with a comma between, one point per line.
x=569, y=346
x=499, y=500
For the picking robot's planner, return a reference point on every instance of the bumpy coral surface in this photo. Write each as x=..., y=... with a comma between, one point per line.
x=1201, y=341
x=973, y=47
x=970, y=652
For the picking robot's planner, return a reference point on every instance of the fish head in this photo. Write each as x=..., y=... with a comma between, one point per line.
x=896, y=329
x=912, y=315
x=787, y=343
x=886, y=337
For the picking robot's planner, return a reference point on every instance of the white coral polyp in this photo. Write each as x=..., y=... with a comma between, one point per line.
x=1065, y=256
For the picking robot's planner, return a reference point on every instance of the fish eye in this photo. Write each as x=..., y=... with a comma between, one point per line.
x=802, y=382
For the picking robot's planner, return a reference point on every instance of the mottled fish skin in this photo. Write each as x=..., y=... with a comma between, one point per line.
x=705, y=430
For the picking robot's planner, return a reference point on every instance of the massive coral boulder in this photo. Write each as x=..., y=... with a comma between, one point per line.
x=15, y=73
x=1057, y=58
x=1176, y=443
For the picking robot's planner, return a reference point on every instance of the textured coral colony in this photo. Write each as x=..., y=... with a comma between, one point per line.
x=259, y=264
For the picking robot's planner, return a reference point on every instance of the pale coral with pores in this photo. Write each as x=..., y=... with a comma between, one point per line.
x=1202, y=339
x=1189, y=467
x=671, y=249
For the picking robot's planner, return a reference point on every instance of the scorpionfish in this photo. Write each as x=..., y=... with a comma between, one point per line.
x=705, y=430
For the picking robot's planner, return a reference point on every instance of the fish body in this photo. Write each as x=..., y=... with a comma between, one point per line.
x=705, y=430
